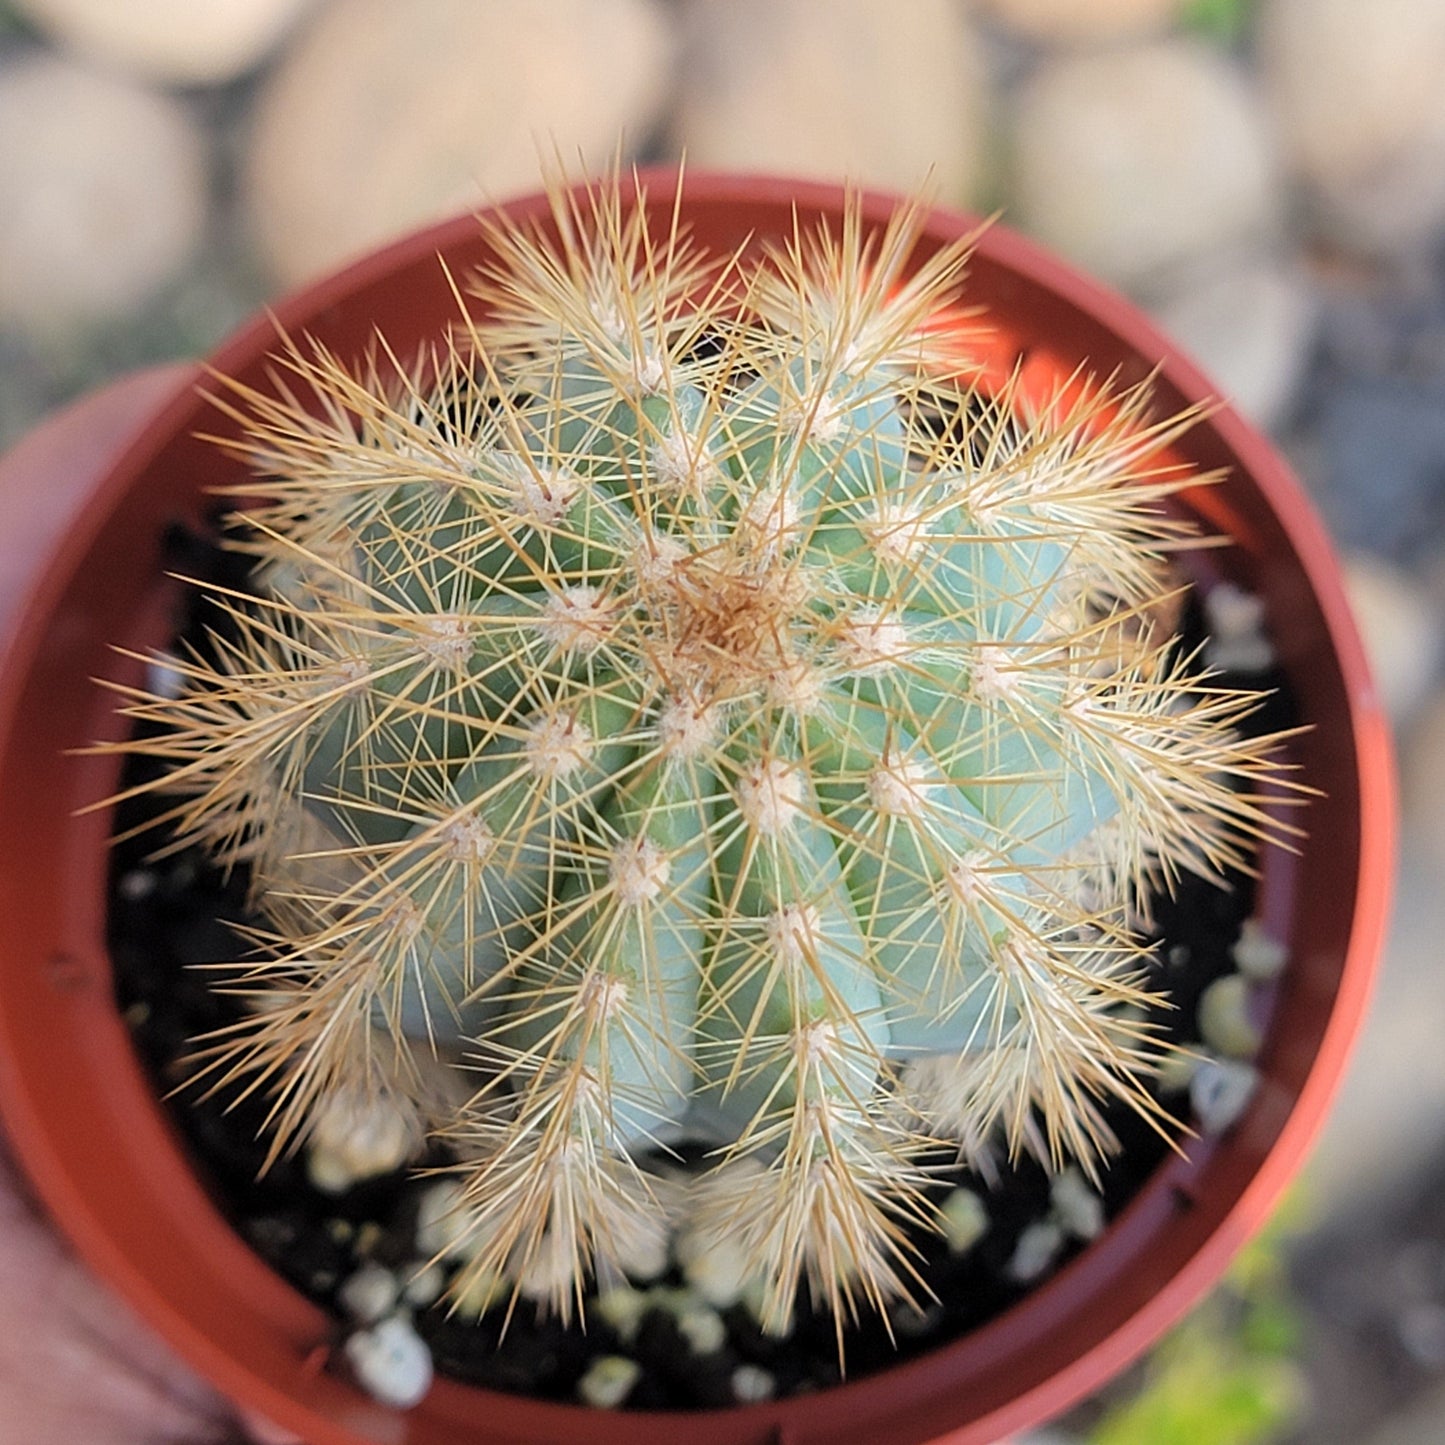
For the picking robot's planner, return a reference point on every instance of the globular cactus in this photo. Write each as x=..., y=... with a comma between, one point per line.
x=686, y=707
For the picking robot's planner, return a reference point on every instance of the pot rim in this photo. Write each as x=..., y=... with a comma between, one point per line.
x=918, y=1382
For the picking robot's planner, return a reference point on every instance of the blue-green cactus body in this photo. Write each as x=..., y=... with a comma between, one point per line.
x=698, y=718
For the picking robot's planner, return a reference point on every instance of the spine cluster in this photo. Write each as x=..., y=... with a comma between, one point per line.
x=684, y=706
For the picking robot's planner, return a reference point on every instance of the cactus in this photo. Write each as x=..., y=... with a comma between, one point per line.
x=684, y=708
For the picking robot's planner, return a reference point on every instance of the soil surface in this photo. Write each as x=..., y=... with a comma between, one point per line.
x=174, y=921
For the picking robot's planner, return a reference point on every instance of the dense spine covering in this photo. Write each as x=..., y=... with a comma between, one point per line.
x=691, y=704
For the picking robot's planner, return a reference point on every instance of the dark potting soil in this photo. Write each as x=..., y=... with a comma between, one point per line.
x=172, y=920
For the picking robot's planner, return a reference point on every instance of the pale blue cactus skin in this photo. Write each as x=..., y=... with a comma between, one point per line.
x=417, y=732
x=689, y=736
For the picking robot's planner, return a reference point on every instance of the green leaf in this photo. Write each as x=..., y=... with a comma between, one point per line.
x=1221, y=20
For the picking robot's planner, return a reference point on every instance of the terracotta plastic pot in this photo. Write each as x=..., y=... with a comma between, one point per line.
x=83, y=505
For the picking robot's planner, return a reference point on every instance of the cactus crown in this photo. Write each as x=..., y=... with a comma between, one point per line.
x=685, y=707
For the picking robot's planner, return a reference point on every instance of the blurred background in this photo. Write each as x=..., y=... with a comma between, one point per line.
x=1266, y=176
